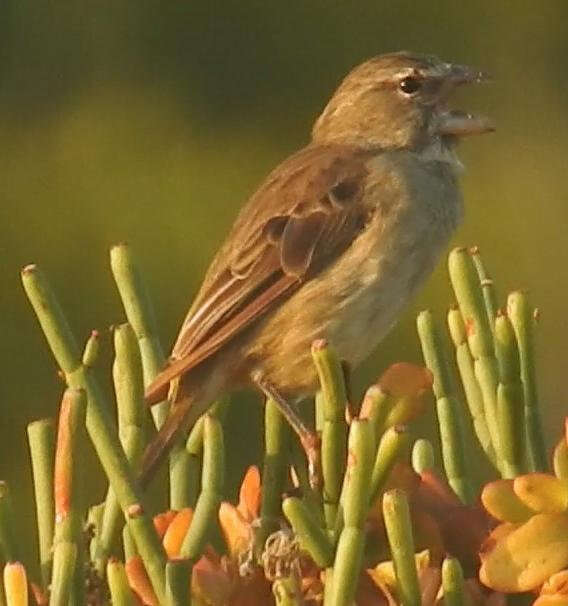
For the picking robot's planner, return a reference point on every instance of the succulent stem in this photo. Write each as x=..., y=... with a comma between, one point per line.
x=423, y=458
x=212, y=481
x=120, y=592
x=399, y=532
x=41, y=437
x=509, y=399
x=453, y=583
x=178, y=577
x=129, y=390
x=521, y=314
x=99, y=425
x=334, y=429
x=465, y=282
x=141, y=317
x=355, y=505
x=276, y=451
x=473, y=395
x=447, y=405
x=67, y=578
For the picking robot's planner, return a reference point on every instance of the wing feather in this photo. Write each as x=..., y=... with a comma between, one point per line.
x=291, y=228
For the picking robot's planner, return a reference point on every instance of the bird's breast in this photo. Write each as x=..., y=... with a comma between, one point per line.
x=356, y=299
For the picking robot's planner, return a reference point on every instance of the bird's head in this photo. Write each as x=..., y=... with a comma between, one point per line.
x=399, y=101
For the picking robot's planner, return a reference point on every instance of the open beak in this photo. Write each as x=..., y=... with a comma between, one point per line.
x=459, y=123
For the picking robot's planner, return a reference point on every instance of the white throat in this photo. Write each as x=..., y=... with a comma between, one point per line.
x=438, y=151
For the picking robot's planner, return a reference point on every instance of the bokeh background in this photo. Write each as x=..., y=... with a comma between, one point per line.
x=151, y=122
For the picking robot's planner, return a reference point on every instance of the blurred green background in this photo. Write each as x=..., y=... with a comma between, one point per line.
x=151, y=122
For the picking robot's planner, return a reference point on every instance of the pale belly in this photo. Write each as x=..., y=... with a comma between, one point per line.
x=354, y=302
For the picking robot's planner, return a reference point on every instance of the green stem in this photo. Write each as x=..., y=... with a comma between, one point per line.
x=274, y=473
x=465, y=282
x=141, y=317
x=120, y=592
x=41, y=437
x=423, y=458
x=129, y=390
x=312, y=537
x=447, y=406
x=213, y=476
x=453, y=583
x=487, y=286
x=399, y=532
x=473, y=394
x=92, y=349
x=509, y=399
x=521, y=314
x=178, y=579
x=287, y=591
x=393, y=443
x=99, y=425
x=185, y=463
x=355, y=505
x=64, y=570
x=67, y=579
x=334, y=428
x=94, y=520
x=9, y=550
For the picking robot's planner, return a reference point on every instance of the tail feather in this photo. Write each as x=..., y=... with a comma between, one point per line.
x=163, y=442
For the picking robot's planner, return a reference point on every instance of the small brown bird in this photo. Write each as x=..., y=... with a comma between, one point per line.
x=331, y=246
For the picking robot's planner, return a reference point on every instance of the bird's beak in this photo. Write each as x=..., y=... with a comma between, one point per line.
x=461, y=124
x=463, y=74
x=456, y=122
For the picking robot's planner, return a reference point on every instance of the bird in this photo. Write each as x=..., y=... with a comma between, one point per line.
x=332, y=245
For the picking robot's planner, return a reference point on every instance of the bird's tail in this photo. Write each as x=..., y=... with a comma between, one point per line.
x=183, y=415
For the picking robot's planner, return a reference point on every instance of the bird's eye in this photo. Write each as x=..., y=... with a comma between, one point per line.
x=410, y=85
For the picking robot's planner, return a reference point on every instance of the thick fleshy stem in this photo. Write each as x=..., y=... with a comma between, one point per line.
x=522, y=318
x=140, y=314
x=212, y=480
x=274, y=472
x=128, y=544
x=41, y=438
x=509, y=399
x=94, y=521
x=423, y=458
x=178, y=575
x=465, y=282
x=312, y=537
x=185, y=490
x=99, y=425
x=560, y=455
x=287, y=591
x=393, y=443
x=355, y=506
x=470, y=385
x=92, y=349
x=129, y=390
x=453, y=583
x=67, y=578
x=376, y=407
x=120, y=592
x=487, y=286
x=399, y=532
x=9, y=551
x=447, y=406
x=334, y=429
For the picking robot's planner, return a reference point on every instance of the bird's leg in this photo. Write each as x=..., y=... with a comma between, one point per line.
x=309, y=439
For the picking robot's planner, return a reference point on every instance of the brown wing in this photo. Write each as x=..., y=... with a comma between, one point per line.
x=307, y=212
